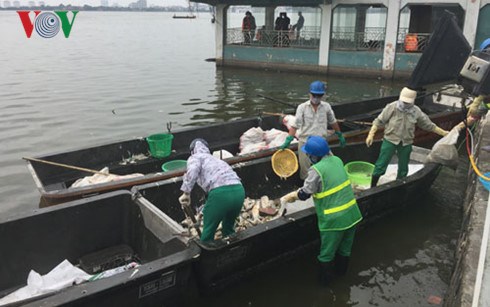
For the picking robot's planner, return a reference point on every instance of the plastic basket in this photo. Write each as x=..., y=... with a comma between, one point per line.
x=359, y=172
x=160, y=144
x=284, y=163
x=174, y=165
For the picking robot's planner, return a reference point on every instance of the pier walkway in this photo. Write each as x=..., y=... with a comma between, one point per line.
x=470, y=282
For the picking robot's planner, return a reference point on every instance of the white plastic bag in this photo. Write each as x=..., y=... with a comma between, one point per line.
x=62, y=276
x=444, y=151
x=251, y=136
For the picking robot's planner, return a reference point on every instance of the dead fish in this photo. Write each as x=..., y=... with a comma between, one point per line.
x=264, y=202
x=255, y=211
x=248, y=204
x=267, y=212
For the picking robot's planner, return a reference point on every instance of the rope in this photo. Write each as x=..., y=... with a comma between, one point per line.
x=469, y=139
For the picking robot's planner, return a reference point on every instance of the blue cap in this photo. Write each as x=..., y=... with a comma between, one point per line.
x=318, y=88
x=316, y=146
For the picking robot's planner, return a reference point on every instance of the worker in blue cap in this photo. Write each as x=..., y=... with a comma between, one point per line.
x=335, y=205
x=313, y=118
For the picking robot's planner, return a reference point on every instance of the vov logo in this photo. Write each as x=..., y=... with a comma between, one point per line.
x=47, y=24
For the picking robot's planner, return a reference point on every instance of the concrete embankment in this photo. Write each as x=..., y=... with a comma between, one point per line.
x=470, y=281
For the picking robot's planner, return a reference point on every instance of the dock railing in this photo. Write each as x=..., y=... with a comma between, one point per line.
x=346, y=38
x=309, y=37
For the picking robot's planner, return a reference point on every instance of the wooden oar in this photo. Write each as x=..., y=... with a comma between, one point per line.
x=67, y=166
x=339, y=120
x=278, y=101
x=355, y=122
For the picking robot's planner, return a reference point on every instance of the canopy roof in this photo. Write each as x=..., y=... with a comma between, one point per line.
x=267, y=3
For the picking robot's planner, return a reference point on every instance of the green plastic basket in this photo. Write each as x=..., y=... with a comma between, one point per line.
x=174, y=165
x=160, y=144
x=359, y=172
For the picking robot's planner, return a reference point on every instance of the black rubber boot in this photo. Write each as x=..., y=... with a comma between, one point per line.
x=341, y=264
x=374, y=181
x=327, y=272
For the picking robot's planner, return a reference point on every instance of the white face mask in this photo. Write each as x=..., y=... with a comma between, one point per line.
x=316, y=100
x=403, y=106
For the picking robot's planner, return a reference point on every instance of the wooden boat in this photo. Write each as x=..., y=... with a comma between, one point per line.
x=54, y=182
x=223, y=262
x=42, y=239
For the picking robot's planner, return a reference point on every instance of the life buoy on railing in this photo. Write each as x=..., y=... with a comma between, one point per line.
x=411, y=42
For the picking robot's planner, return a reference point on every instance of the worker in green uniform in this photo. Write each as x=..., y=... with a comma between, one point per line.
x=313, y=118
x=399, y=119
x=225, y=193
x=335, y=204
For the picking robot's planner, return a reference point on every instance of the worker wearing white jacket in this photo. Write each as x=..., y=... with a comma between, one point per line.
x=225, y=193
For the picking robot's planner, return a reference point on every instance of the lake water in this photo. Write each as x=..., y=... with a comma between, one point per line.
x=120, y=75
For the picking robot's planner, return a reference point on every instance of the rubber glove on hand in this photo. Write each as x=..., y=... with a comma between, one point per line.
x=440, y=131
x=341, y=137
x=370, y=137
x=287, y=142
x=185, y=199
x=290, y=197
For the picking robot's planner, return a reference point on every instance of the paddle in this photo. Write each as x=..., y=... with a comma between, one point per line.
x=339, y=120
x=278, y=101
x=68, y=166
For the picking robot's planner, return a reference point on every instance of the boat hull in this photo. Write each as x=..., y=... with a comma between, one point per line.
x=54, y=182
x=41, y=240
x=224, y=262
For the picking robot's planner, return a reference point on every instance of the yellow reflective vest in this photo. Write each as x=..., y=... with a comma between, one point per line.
x=336, y=205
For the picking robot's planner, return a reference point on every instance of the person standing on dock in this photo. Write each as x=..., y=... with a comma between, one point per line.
x=312, y=118
x=399, y=120
x=299, y=24
x=248, y=28
x=225, y=193
x=335, y=205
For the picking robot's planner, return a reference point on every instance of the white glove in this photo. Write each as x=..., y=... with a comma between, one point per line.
x=290, y=197
x=185, y=199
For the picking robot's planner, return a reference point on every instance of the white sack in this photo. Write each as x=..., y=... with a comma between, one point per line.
x=444, y=151
x=62, y=276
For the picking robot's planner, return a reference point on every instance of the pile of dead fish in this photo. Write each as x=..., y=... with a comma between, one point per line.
x=254, y=212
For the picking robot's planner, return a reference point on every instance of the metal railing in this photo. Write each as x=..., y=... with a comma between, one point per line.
x=416, y=43
x=309, y=37
x=345, y=38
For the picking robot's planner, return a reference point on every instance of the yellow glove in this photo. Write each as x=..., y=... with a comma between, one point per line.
x=440, y=131
x=475, y=105
x=290, y=197
x=461, y=126
x=370, y=137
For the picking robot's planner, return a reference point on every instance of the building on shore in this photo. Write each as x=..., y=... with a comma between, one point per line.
x=382, y=38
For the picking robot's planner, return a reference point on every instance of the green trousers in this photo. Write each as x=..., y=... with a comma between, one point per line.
x=222, y=206
x=387, y=151
x=336, y=242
